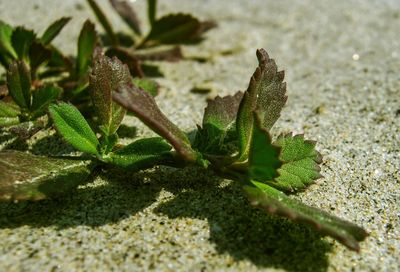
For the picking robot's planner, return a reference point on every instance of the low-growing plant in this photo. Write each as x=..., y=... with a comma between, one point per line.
x=233, y=141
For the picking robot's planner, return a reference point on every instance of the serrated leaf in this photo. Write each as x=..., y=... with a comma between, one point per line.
x=19, y=84
x=147, y=84
x=21, y=41
x=218, y=123
x=300, y=163
x=54, y=29
x=141, y=154
x=25, y=176
x=128, y=14
x=73, y=128
x=176, y=29
x=6, y=47
x=275, y=202
x=263, y=155
x=106, y=76
x=266, y=94
x=42, y=97
x=86, y=44
x=8, y=114
x=38, y=54
x=104, y=22
x=151, y=11
x=143, y=105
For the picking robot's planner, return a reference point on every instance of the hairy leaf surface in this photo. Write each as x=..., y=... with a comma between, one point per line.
x=19, y=84
x=266, y=95
x=300, y=163
x=25, y=176
x=54, y=29
x=275, y=202
x=263, y=155
x=142, y=154
x=8, y=114
x=143, y=105
x=128, y=14
x=73, y=128
x=219, y=123
x=106, y=76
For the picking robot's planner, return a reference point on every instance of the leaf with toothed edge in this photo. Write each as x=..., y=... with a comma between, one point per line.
x=21, y=41
x=273, y=201
x=143, y=105
x=218, y=126
x=19, y=84
x=300, y=163
x=266, y=95
x=25, y=176
x=106, y=76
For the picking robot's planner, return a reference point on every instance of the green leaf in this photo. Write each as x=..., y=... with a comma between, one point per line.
x=218, y=126
x=6, y=47
x=141, y=154
x=143, y=105
x=152, y=11
x=8, y=114
x=86, y=43
x=147, y=84
x=19, y=84
x=28, y=177
x=104, y=22
x=266, y=94
x=21, y=41
x=263, y=155
x=176, y=29
x=106, y=76
x=42, y=97
x=300, y=163
x=73, y=128
x=128, y=14
x=275, y=202
x=54, y=29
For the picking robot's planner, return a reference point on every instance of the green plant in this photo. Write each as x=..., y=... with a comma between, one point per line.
x=171, y=29
x=233, y=141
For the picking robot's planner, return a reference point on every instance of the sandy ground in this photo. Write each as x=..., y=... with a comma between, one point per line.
x=342, y=61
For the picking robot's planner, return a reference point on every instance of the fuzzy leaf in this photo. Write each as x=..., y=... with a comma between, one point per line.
x=143, y=105
x=104, y=21
x=42, y=97
x=73, y=128
x=141, y=154
x=19, y=84
x=86, y=43
x=128, y=14
x=263, y=155
x=176, y=29
x=6, y=47
x=266, y=95
x=28, y=177
x=8, y=114
x=147, y=84
x=152, y=11
x=106, y=75
x=128, y=58
x=21, y=41
x=275, y=202
x=300, y=163
x=218, y=123
x=54, y=29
